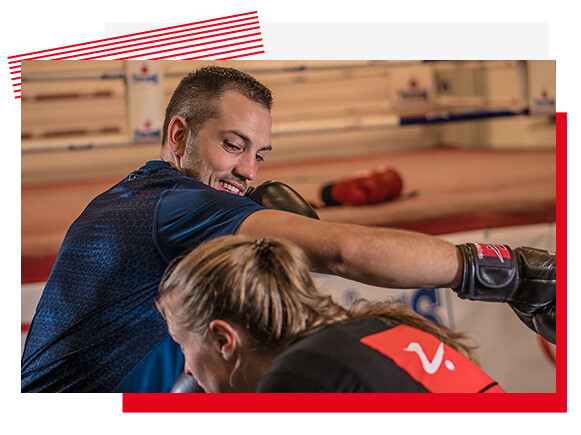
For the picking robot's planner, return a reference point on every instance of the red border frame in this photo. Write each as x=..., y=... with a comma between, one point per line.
x=532, y=402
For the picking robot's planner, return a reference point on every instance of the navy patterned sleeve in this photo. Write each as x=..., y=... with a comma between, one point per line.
x=192, y=213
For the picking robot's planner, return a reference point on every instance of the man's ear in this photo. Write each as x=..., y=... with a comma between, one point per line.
x=177, y=135
x=224, y=338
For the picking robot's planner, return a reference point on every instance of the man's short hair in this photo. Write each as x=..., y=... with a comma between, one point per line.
x=196, y=98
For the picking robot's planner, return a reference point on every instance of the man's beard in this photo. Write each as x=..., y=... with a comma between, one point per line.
x=190, y=163
x=192, y=166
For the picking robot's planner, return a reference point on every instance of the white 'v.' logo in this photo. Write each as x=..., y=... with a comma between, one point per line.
x=430, y=367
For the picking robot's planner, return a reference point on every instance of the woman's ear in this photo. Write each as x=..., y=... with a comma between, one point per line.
x=224, y=338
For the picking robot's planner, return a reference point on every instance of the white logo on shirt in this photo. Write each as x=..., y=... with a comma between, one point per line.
x=430, y=367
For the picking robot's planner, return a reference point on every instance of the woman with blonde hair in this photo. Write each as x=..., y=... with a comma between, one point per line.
x=249, y=318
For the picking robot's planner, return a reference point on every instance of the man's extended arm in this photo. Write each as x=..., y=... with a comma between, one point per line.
x=378, y=256
x=525, y=278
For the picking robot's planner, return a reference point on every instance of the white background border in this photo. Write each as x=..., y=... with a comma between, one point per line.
x=36, y=25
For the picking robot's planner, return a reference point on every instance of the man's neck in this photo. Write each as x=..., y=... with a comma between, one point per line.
x=168, y=156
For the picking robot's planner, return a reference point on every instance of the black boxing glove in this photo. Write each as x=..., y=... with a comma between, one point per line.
x=279, y=196
x=525, y=278
x=186, y=384
x=543, y=321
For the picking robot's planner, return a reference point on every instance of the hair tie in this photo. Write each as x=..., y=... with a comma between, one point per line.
x=262, y=247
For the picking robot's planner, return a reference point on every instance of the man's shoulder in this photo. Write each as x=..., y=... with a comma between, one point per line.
x=154, y=169
x=188, y=193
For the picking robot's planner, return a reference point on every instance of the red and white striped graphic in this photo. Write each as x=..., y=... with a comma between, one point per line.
x=229, y=37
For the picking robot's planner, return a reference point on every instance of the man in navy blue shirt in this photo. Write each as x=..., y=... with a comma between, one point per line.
x=96, y=328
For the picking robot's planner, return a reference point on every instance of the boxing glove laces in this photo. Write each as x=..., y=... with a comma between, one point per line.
x=525, y=278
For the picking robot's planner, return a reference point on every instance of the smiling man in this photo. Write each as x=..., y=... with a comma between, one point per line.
x=224, y=152
x=96, y=327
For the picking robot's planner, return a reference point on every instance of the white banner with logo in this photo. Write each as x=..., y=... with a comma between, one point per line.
x=145, y=99
x=541, y=82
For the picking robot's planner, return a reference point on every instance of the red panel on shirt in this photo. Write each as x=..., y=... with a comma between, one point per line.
x=435, y=365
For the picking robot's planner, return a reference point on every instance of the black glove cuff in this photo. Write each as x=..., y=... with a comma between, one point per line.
x=490, y=272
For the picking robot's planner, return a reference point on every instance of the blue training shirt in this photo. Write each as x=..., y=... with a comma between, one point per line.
x=96, y=327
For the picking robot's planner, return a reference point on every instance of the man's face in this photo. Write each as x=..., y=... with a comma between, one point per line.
x=227, y=150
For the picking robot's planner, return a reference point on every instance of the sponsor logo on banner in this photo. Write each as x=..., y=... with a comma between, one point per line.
x=544, y=101
x=147, y=132
x=426, y=302
x=143, y=76
x=349, y=296
x=413, y=92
